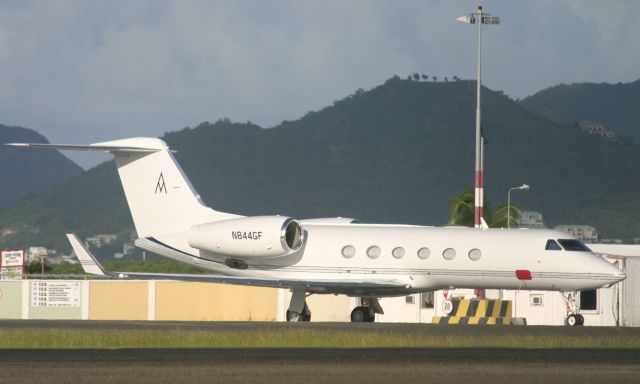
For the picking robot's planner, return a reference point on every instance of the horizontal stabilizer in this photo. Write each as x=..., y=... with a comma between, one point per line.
x=89, y=263
x=140, y=145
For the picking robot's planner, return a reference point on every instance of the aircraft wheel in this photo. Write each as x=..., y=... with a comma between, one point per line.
x=572, y=320
x=294, y=316
x=360, y=315
x=297, y=316
x=371, y=317
x=580, y=319
x=306, y=314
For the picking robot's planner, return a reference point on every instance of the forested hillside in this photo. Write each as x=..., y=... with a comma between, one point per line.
x=617, y=106
x=23, y=173
x=396, y=153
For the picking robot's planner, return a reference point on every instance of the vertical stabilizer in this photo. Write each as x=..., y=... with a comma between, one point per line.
x=160, y=197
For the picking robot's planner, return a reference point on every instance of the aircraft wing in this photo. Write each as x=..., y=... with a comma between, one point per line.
x=329, y=286
x=91, y=266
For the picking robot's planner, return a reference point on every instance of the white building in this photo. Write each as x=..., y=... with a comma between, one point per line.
x=100, y=240
x=531, y=219
x=35, y=254
x=586, y=233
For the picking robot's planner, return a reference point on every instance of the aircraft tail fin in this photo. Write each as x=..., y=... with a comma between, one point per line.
x=160, y=197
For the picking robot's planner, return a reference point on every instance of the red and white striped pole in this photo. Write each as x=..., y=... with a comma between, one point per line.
x=479, y=174
x=479, y=17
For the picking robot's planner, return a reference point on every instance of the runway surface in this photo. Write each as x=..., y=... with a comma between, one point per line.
x=281, y=365
x=320, y=366
x=404, y=328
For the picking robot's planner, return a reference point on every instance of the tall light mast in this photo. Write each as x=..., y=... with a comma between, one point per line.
x=479, y=17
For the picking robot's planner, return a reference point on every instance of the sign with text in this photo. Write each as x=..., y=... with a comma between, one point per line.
x=13, y=258
x=12, y=264
x=55, y=294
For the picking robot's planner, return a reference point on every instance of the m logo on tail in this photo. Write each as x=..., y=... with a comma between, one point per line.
x=161, y=187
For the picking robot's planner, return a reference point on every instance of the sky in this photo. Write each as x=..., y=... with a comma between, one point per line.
x=82, y=71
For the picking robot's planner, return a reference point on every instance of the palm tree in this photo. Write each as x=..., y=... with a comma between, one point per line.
x=499, y=218
x=463, y=209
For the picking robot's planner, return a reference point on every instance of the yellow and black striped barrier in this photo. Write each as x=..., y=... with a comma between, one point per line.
x=477, y=311
x=466, y=320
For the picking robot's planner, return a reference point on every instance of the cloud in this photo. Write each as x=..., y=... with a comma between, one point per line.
x=89, y=71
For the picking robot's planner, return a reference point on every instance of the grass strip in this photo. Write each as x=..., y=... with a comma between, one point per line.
x=294, y=338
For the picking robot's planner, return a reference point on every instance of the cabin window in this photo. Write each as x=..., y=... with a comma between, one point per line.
x=398, y=252
x=348, y=251
x=475, y=254
x=573, y=245
x=373, y=251
x=409, y=299
x=552, y=246
x=449, y=254
x=424, y=253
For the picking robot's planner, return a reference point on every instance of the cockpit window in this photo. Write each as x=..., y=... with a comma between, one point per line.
x=573, y=245
x=552, y=246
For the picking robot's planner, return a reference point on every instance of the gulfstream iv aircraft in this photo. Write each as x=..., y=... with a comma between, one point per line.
x=329, y=256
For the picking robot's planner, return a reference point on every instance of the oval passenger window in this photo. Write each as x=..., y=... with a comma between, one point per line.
x=348, y=251
x=373, y=251
x=424, y=253
x=398, y=252
x=475, y=254
x=449, y=254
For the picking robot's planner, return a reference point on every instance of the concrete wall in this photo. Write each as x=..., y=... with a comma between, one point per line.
x=202, y=301
x=118, y=300
x=11, y=299
x=135, y=300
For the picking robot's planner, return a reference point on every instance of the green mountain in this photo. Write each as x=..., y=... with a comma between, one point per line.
x=617, y=106
x=397, y=153
x=24, y=173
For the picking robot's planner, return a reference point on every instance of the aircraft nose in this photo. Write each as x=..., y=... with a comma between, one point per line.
x=615, y=275
x=619, y=276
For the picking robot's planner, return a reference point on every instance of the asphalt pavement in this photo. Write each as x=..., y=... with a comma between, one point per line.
x=320, y=365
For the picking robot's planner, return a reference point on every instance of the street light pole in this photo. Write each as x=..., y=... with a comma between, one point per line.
x=522, y=187
x=479, y=17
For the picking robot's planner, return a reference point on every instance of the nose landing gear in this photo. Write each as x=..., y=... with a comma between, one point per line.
x=574, y=318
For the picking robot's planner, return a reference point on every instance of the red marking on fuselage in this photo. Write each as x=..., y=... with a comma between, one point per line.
x=523, y=274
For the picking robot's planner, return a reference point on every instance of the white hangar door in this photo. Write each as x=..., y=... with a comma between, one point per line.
x=630, y=289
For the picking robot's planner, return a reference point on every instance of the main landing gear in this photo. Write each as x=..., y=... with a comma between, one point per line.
x=574, y=318
x=298, y=309
x=364, y=313
x=305, y=315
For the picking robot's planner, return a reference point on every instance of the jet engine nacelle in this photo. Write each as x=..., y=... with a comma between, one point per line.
x=249, y=237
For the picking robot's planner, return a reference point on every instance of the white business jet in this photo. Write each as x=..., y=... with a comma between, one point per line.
x=329, y=256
